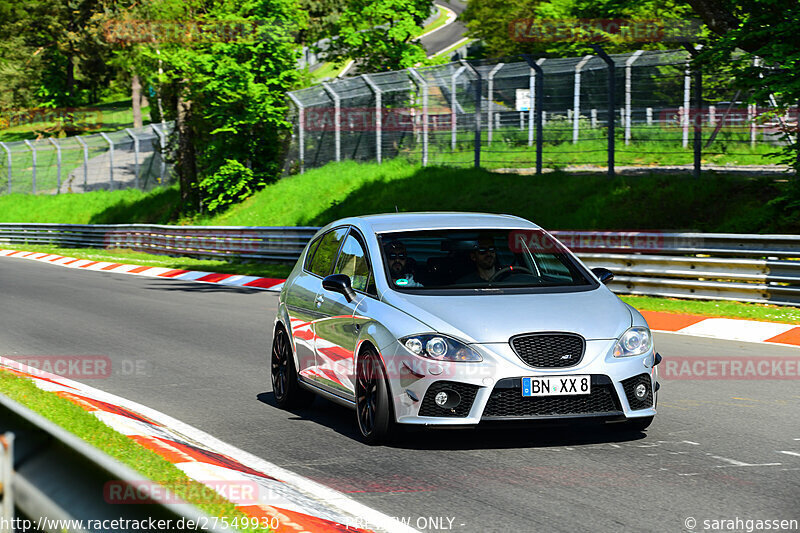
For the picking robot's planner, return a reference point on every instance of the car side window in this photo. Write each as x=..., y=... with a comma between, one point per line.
x=322, y=262
x=310, y=255
x=353, y=262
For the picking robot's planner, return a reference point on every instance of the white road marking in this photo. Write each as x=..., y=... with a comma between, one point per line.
x=734, y=462
x=692, y=443
x=790, y=453
x=744, y=330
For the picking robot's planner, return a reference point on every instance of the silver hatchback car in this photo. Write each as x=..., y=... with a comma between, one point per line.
x=453, y=319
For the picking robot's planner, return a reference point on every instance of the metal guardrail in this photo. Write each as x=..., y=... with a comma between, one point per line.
x=54, y=475
x=722, y=266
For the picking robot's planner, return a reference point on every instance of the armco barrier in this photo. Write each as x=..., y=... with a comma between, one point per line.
x=56, y=475
x=722, y=266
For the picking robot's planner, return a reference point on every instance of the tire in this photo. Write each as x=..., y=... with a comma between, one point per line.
x=374, y=414
x=288, y=392
x=637, y=424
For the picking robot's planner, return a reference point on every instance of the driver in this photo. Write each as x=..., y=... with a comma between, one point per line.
x=484, y=258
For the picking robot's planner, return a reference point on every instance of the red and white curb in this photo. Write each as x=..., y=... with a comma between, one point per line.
x=231, y=280
x=724, y=328
x=717, y=328
x=286, y=500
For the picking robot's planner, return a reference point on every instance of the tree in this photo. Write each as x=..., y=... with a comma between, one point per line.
x=764, y=30
x=227, y=68
x=492, y=22
x=379, y=34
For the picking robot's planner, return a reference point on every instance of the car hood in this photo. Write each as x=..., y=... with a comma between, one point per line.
x=484, y=318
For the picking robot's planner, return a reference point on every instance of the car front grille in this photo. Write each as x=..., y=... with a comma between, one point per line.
x=507, y=401
x=630, y=385
x=549, y=350
x=465, y=391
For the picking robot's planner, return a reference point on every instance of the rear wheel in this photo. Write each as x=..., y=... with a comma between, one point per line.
x=287, y=390
x=373, y=407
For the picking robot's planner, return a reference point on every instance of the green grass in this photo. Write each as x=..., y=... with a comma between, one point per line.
x=327, y=71
x=104, y=117
x=91, y=430
x=438, y=22
x=117, y=255
x=556, y=200
x=98, y=207
x=650, y=146
x=747, y=311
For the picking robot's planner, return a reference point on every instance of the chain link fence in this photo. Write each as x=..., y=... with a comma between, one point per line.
x=102, y=161
x=635, y=110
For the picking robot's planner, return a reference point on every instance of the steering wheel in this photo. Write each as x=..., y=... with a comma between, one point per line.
x=506, y=271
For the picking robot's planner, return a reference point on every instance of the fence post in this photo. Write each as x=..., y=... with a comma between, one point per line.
x=628, y=64
x=576, y=103
x=337, y=119
x=453, y=104
x=163, y=143
x=478, y=86
x=532, y=106
x=301, y=115
x=85, y=162
x=8, y=159
x=612, y=86
x=490, y=97
x=135, y=156
x=687, y=87
x=698, y=108
x=33, y=153
x=58, y=161
x=423, y=86
x=110, y=161
x=6, y=478
x=538, y=94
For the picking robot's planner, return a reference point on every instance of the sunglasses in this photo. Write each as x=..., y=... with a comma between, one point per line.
x=397, y=256
x=487, y=250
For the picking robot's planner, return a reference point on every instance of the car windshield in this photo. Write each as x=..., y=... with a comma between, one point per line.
x=478, y=259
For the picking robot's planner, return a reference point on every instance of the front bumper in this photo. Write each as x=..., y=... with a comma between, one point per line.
x=491, y=390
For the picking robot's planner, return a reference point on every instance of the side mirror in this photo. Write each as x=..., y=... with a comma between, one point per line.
x=603, y=274
x=339, y=283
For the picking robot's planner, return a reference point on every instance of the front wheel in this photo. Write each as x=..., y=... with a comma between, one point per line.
x=287, y=390
x=373, y=407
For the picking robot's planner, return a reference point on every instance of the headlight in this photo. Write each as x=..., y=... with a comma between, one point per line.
x=440, y=348
x=635, y=341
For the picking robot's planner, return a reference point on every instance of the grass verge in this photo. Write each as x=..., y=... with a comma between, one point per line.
x=91, y=430
x=119, y=255
x=714, y=308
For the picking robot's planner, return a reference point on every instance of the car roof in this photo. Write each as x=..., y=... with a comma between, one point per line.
x=391, y=222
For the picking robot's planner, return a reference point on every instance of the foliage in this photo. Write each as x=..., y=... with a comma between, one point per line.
x=491, y=21
x=228, y=95
x=757, y=40
x=230, y=184
x=379, y=34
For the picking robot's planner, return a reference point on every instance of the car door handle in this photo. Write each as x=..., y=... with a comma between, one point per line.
x=318, y=300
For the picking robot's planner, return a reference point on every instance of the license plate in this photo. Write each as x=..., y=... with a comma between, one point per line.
x=556, y=385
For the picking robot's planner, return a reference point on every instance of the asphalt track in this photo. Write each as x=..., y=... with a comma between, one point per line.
x=449, y=35
x=717, y=450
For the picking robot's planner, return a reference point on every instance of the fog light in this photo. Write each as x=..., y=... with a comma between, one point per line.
x=640, y=391
x=441, y=399
x=448, y=399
